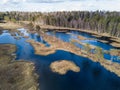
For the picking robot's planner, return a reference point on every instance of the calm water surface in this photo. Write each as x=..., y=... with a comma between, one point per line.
x=92, y=76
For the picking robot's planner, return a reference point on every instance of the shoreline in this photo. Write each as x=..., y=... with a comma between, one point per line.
x=60, y=45
x=102, y=37
x=63, y=66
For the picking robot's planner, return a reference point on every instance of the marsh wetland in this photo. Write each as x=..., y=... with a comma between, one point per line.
x=83, y=71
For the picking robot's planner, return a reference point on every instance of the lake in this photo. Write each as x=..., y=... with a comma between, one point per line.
x=92, y=75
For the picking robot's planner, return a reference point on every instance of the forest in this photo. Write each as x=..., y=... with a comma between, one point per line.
x=100, y=21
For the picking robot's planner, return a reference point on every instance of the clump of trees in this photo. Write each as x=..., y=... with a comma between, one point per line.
x=31, y=26
x=37, y=28
x=98, y=52
x=102, y=22
x=87, y=48
x=20, y=16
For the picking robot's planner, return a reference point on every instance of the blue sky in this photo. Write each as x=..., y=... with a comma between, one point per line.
x=59, y=5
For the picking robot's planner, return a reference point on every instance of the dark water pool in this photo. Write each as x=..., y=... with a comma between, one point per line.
x=92, y=76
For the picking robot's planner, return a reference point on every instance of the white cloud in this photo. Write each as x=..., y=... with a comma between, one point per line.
x=3, y=1
x=49, y=1
x=12, y=1
x=59, y=5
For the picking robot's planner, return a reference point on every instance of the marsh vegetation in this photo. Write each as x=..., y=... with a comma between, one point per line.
x=63, y=66
x=15, y=75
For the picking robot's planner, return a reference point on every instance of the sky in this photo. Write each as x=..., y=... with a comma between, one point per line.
x=59, y=5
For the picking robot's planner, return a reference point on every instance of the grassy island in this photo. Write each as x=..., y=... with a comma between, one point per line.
x=15, y=75
x=41, y=49
x=63, y=66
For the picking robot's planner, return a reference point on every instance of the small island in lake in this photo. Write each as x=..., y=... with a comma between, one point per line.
x=63, y=66
x=41, y=49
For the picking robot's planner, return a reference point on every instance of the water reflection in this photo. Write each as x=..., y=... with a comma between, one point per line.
x=67, y=37
x=91, y=77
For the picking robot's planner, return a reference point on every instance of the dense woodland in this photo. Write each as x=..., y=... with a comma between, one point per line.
x=100, y=21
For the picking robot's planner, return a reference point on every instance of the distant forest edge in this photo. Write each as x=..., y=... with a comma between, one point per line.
x=100, y=21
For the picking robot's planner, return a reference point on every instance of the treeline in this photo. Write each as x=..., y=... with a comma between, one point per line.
x=20, y=16
x=102, y=22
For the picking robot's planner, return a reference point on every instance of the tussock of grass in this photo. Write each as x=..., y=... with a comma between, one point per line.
x=63, y=66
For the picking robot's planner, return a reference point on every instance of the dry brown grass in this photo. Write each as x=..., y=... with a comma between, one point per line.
x=81, y=37
x=63, y=66
x=41, y=49
x=10, y=26
x=15, y=75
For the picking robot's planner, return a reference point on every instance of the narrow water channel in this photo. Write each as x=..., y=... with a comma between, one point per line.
x=92, y=76
x=67, y=37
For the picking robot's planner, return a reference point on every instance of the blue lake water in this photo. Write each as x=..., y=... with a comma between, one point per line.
x=92, y=76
